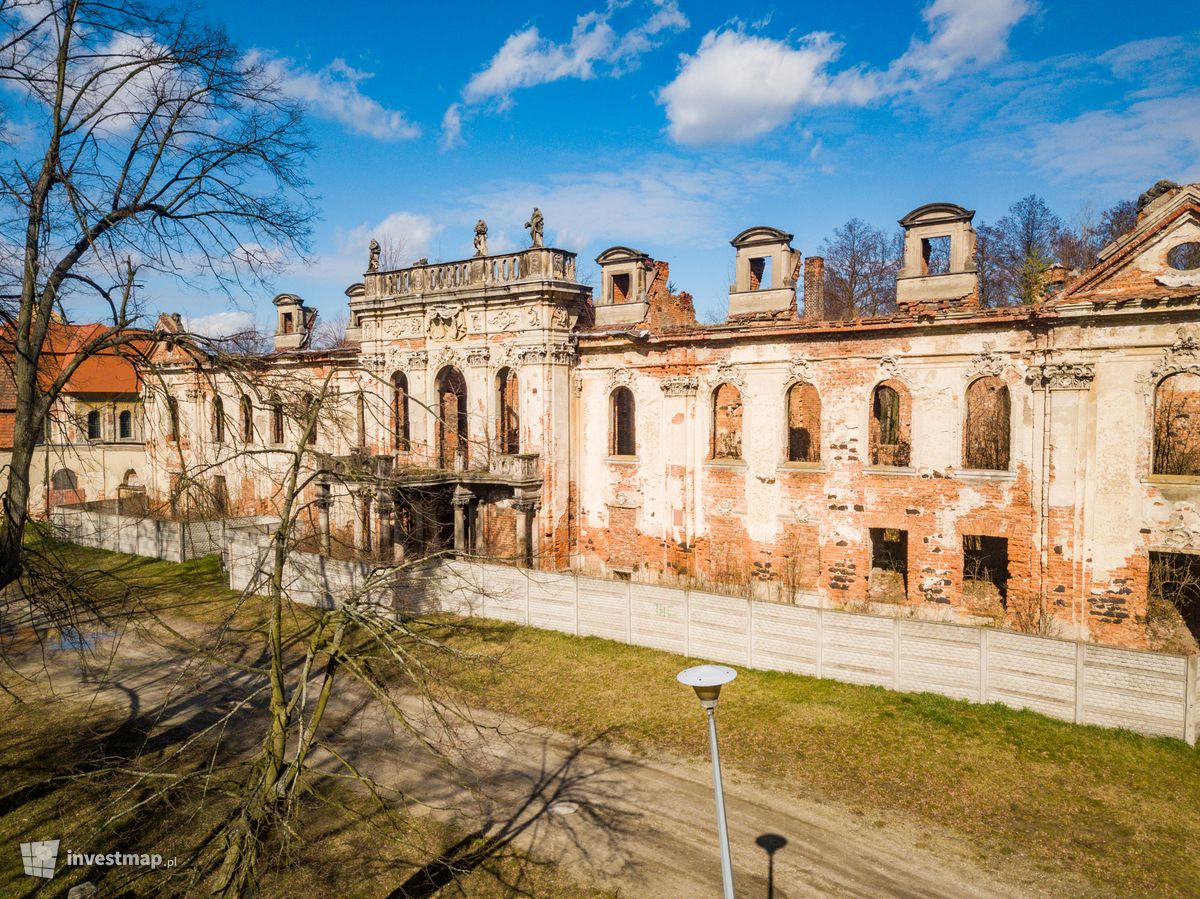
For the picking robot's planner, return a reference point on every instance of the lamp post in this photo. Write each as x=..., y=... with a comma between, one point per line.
x=707, y=681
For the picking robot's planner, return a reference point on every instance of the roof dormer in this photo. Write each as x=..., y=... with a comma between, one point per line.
x=625, y=276
x=939, y=257
x=765, y=272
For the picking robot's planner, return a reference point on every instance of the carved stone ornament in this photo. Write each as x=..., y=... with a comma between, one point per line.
x=562, y=353
x=800, y=369
x=1061, y=376
x=532, y=355
x=504, y=320
x=988, y=362
x=447, y=323
x=679, y=385
x=727, y=373
x=890, y=367
x=374, y=361
x=535, y=317
x=445, y=356
x=1183, y=356
x=560, y=319
x=625, y=500
x=419, y=359
x=478, y=355
x=621, y=377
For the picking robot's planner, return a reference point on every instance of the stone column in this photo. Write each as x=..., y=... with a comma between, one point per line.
x=323, y=502
x=362, y=521
x=384, y=517
x=479, y=547
x=461, y=500
x=526, y=510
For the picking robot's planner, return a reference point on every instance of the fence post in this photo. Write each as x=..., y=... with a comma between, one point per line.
x=629, y=611
x=1079, y=685
x=687, y=623
x=750, y=632
x=820, y=641
x=575, y=581
x=896, y=653
x=983, y=664
x=1191, y=670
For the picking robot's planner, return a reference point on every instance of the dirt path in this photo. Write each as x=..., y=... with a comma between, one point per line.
x=642, y=827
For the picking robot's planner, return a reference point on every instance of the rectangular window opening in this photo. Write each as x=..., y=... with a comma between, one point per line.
x=620, y=288
x=889, y=566
x=985, y=571
x=935, y=255
x=760, y=273
x=287, y=323
x=1173, y=601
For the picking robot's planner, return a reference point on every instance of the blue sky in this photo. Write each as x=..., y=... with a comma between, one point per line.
x=670, y=126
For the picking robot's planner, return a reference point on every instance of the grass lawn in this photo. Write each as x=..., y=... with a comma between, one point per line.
x=1115, y=809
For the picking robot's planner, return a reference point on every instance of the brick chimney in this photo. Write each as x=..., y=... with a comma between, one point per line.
x=814, y=287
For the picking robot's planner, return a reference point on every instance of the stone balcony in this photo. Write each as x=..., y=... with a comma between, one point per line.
x=533, y=264
x=519, y=469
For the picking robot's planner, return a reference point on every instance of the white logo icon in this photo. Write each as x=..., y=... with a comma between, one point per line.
x=40, y=858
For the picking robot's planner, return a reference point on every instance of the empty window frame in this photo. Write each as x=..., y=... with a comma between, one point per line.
x=218, y=425
x=1174, y=590
x=247, y=420
x=727, y=423
x=985, y=569
x=508, y=420
x=452, y=418
x=93, y=425
x=276, y=421
x=889, y=565
x=1177, y=425
x=125, y=425
x=760, y=273
x=173, y=418
x=803, y=423
x=891, y=426
x=360, y=420
x=399, y=412
x=622, y=425
x=620, y=288
x=987, y=431
x=935, y=255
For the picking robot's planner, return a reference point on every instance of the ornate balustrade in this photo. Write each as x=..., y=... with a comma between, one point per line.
x=533, y=264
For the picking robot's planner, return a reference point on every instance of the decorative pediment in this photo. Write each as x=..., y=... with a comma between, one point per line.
x=760, y=235
x=614, y=255
x=1181, y=356
x=1142, y=262
x=890, y=367
x=800, y=369
x=986, y=362
x=725, y=373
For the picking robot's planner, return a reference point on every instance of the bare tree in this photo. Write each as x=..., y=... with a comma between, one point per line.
x=861, y=264
x=1014, y=252
x=156, y=147
x=1078, y=245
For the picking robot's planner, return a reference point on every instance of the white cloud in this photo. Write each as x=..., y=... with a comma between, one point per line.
x=335, y=93
x=1130, y=148
x=596, y=48
x=737, y=85
x=220, y=324
x=452, y=127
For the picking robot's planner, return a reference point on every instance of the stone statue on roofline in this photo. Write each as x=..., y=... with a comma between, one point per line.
x=373, y=256
x=536, y=226
x=481, y=238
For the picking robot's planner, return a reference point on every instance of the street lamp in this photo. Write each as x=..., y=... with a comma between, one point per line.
x=707, y=681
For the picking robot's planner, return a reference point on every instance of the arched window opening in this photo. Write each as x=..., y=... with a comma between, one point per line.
x=173, y=417
x=622, y=436
x=276, y=421
x=987, y=434
x=125, y=425
x=400, y=426
x=803, y=423
x=360, y=420
x=64, y=479
x=508, y=425
x=452, y=418
x=93, y=425
x=247, y=420
x=727, y=423
x=1177, y=425
x=891, y=425
x=218, y=420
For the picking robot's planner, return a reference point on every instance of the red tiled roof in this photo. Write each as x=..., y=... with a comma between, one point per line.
x=108, y=371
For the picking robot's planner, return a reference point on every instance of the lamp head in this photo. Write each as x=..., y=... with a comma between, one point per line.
x=707, y=681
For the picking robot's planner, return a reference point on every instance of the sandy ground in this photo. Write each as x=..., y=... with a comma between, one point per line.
x=643, y=827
